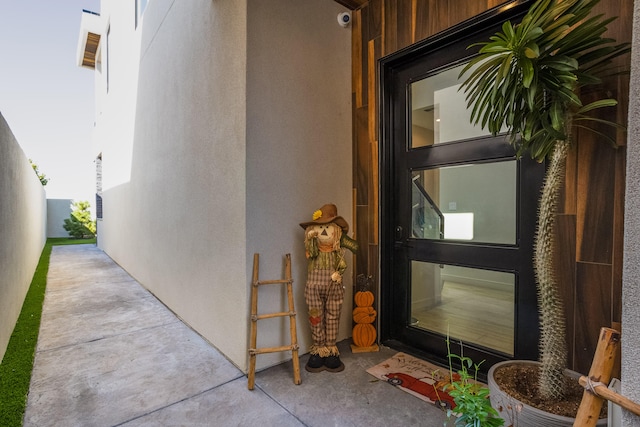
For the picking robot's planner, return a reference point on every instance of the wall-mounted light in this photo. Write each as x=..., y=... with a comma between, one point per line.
x=458, y=226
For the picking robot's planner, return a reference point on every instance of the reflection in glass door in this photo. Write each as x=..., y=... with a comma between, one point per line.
x=438, y=110
x=471, y=202
x=471, y=305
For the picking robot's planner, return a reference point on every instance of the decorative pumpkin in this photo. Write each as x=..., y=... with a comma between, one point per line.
x=364, y=314
x=363, y=298
x=364, y=334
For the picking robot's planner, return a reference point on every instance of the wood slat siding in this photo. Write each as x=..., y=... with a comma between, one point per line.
x=590, y=225
x=595, y=196
x=592, y=310
x=566, y=271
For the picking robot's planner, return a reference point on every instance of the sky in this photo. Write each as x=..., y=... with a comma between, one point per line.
x=47, y=100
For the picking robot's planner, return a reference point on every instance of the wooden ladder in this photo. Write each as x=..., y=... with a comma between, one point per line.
x=253, y=351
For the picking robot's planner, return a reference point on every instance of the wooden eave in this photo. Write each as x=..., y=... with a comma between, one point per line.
x=352, y=4
x=90, y=50
x=91, y=28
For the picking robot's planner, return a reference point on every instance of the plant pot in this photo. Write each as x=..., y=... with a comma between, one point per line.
x=519, y=414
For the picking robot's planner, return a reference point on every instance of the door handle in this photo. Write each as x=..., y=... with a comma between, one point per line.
x=399, y=232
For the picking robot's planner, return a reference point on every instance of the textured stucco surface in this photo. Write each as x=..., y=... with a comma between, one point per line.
x=631, y=268
x=23, y=213
x=298, y=146
x=174, y=172
x=226, y=124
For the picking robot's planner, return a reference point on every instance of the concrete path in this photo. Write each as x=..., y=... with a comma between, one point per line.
x=110, y=354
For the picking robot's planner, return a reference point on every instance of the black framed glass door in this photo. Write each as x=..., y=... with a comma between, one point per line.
x=458, y=211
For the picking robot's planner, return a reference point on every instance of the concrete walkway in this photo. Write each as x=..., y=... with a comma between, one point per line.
x=110, y=354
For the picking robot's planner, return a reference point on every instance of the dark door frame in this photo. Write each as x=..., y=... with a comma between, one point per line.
x=395, y=73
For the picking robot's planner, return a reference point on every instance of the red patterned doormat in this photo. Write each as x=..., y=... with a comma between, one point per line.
x=417, y=377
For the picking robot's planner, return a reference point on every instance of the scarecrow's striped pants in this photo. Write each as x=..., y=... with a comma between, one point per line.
x=324, y=298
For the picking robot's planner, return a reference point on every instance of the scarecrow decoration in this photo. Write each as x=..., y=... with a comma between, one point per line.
x=325, y=241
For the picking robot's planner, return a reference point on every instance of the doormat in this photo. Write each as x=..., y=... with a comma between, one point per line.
x=415, y=376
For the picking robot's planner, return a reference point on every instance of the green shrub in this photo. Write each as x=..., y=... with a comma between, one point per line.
x=79, y=224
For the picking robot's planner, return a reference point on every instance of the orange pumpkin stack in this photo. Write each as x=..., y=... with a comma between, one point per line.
x=364, y=333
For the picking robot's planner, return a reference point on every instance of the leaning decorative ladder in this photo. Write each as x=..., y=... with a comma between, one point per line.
x=253, y=351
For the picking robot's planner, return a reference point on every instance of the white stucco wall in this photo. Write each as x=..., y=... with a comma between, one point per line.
x=227, y=132
x=173, y=173
x=22, y=229
x=631, y=263
x=299, y=146
x=57, y=211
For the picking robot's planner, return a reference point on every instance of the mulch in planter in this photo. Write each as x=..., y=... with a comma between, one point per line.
x=521, y=382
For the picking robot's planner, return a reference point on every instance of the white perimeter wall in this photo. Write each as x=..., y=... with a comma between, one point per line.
x=22, y=229
x=239, y=128
x=57, y=211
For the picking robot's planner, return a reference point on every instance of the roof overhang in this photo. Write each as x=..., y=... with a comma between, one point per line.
x=90, y=31
x=352, y=4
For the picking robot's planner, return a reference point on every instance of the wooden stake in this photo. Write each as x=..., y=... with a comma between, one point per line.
x=600, y=372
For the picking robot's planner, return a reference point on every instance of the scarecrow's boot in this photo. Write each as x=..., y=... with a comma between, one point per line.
x=332, y=362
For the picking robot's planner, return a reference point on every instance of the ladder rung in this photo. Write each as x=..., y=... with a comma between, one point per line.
x=272, y=349
x=273, y=282
x=272, y=315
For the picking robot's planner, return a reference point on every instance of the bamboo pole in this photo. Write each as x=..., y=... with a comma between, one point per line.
x=600, y=372
x=618, y=399
x=272, y=315
x=254, y=323
x=265, y=350
x=292, y=323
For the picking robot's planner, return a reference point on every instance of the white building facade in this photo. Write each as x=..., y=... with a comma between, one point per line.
x=221, y=125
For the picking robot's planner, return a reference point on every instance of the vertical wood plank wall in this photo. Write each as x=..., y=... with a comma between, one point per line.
x=591, y=219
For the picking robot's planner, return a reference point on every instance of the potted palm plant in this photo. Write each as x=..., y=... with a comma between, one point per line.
x=529, y=79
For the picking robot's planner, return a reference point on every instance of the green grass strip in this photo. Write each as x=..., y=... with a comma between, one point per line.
x=17, y=364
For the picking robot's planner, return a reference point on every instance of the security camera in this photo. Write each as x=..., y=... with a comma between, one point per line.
x=344, y=19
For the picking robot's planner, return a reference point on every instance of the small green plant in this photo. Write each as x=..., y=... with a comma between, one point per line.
x=79, y=224
x=473, y=407
x=42, y=177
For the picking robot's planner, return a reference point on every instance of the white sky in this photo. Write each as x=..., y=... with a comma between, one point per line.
x=45, y=98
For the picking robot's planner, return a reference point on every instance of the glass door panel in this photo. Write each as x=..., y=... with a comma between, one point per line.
x=469, y=304
x=438, y=111
x=472, y=202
